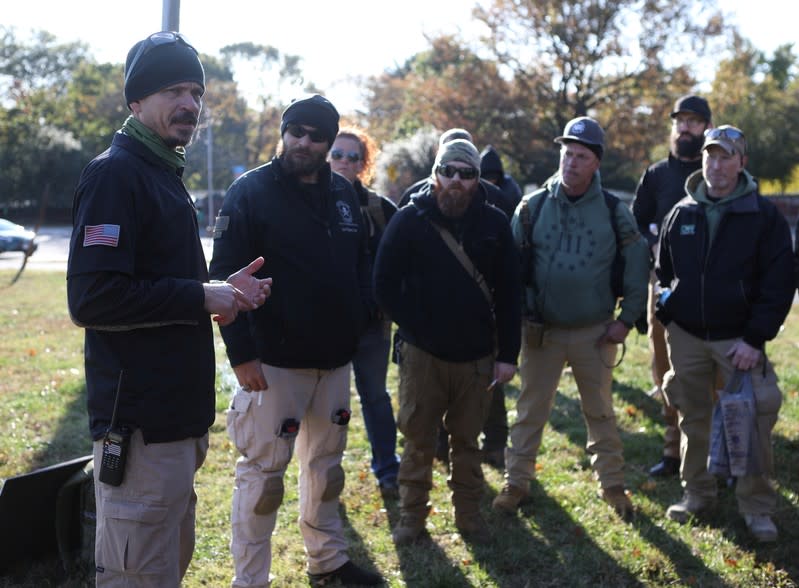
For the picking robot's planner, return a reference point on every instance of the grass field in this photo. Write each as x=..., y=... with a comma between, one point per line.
x=565, y=537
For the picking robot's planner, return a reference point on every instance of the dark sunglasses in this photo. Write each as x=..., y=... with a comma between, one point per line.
x=154, y=40
x=351, y=156
x=298, y=131
x=449, y=171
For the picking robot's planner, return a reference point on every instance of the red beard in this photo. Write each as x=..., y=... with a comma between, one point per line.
x=453, y=201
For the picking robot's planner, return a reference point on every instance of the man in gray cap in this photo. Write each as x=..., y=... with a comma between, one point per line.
x=568, y=233
x=292, y=357
x=447, y=273
x=725, y=271
x=660, y=187
x=137, y=282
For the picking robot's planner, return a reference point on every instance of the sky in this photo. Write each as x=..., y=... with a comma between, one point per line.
x=337, y=39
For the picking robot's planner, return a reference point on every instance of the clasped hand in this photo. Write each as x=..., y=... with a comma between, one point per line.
x=241, y=292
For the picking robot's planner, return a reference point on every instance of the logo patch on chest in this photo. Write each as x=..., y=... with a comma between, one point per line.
x=687, y=229
x=346, y=222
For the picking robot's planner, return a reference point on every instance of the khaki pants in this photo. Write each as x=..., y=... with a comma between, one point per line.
x=257, y=426
x=145, y=527
x=688, y=387
x=660, y=365
x=430, y=389
x=541, y=369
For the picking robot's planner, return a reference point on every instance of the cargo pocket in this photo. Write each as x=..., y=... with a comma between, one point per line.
x=240, y=426
x=134, y=536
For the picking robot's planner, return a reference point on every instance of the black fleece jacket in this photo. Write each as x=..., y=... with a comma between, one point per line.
x=438, y=306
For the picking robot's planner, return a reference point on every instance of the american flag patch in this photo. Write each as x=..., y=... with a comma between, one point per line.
x=101, y=235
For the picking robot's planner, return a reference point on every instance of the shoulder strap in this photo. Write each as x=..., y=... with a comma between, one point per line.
x=612, y=202
x=536, y=213
x=461, y=256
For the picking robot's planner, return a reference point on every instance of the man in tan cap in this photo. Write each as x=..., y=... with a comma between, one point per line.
x=725, y=271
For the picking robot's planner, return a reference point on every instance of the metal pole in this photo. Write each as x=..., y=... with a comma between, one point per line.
x=209, y=144
x=170, y=20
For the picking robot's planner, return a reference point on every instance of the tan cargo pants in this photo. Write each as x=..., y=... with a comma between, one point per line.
x=260, y=425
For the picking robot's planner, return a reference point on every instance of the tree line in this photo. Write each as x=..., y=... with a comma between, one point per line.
x=541, y=63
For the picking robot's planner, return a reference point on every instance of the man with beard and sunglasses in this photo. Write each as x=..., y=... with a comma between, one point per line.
x=725, y=281
x=137, y=281
x=568, y=245
x=292, y=357
x=447, y=273
x=661, y=186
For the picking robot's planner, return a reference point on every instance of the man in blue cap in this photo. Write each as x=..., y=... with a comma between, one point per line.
x=568, y=243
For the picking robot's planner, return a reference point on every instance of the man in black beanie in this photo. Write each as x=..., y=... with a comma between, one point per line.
x=137, y=282
x=292, y=357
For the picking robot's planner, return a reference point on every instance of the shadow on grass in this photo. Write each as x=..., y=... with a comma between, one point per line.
x=555, y=547
x=422, y=563
x=70, y=438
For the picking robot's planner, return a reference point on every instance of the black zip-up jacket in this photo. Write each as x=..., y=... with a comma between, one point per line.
x=662, y=185
x=141, y=299
x=438, y=306
x=740, y=284
x=314, y=244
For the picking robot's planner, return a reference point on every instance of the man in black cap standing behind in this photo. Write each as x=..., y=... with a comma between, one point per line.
x=660, y=187
x=292, y=357
x=137, y=282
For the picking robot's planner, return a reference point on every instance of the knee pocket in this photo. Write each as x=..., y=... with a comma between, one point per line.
x=334, y=483
x=271, y=496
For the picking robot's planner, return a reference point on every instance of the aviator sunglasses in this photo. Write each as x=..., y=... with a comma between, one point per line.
x=154, y=40
x=730, y=133
x=298, y=131
x=449, y=171
x=351, y=156
x=725, y=131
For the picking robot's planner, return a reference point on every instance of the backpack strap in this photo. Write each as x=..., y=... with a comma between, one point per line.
x=528, y=220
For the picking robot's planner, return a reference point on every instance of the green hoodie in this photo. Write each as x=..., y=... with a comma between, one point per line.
x=714, y=209
x=573, y=249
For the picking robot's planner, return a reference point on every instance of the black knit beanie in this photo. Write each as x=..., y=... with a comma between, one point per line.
x=315, y=111
x=161, y=66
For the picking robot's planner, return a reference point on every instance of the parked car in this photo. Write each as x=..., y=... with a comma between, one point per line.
x=14, y=237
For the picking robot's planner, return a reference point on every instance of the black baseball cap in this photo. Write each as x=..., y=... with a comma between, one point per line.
x=692, y=103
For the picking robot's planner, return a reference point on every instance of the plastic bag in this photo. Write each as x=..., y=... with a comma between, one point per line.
x=739, y=414
x=718, y=460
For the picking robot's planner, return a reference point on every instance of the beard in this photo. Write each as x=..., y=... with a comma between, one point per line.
x=689, y=147
x=182, y=137
x=453, y=201
x=301, y=166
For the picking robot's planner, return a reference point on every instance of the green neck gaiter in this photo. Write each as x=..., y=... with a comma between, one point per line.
x=133, y=127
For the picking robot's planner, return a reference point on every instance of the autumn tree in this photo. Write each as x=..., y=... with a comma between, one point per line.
x=761, y=97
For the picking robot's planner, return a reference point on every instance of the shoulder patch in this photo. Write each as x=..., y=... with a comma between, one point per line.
x=220, y=225
x=106, y=234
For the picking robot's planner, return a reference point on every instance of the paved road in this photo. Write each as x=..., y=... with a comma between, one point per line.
x=54, y=249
